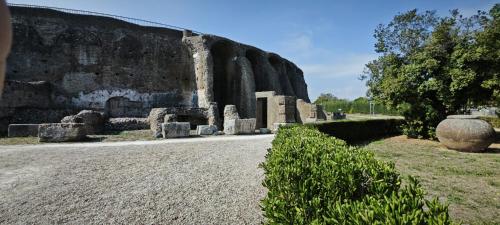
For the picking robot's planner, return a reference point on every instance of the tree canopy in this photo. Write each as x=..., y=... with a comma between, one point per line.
x=431, y=66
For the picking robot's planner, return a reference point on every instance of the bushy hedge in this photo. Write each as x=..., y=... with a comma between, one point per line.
x=315, y=179
x=353, y=131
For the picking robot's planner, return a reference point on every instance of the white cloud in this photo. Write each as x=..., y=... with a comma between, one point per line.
x=299, y=43
x=351, y=65
x=325, y=70
x=301, y=46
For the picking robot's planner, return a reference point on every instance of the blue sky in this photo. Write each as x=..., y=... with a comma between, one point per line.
x=330, y=40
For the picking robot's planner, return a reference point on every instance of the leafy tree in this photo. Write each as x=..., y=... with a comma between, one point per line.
x=325, y=97
x=431, y=67
x=359, y=105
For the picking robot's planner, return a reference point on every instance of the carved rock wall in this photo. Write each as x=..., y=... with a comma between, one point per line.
x=61, y=63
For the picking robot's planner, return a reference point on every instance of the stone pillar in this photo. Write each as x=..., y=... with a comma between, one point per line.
x=247, y=92
x=213, y=114
x=203, y=69
x=204, y=77
x=230, y=112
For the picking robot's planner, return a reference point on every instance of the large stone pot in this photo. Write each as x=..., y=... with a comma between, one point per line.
x=465, y=133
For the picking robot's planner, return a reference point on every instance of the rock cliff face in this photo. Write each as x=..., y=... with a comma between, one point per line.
x=61, y=63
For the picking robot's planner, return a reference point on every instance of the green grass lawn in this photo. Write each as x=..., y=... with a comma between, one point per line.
x=469, y=182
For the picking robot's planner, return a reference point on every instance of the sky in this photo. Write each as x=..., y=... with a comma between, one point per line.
x=329, y=40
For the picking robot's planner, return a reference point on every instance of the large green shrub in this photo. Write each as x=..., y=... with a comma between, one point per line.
x=316, y=179
x=360, y=130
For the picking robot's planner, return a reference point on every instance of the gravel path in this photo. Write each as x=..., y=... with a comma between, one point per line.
x=189, y=181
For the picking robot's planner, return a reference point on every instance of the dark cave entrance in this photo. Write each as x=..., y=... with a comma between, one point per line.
x=227, y=81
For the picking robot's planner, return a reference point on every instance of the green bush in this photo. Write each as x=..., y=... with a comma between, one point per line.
x=315, y=179
x=354, y=131
x=494, y=121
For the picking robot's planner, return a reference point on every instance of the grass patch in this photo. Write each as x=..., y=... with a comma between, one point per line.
x=129, y=135
x=469, y=182
x=18, y=140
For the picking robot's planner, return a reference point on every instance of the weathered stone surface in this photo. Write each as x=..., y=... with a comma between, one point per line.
x=94, y=121
x=213, y=114
x=170, y=118
x=61, y=132
x=230, y=112
x=264, y=131
x=206, y=129
x=195, y=116
x=125, y=70
x=307, y=112
x=175, y=129
x=239, y=126
x=71, y=119
x=465, y=133
x=127, y=123
x=156, y=118
x=23, y=130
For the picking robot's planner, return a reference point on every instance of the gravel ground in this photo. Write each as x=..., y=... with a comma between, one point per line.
x=189, y=181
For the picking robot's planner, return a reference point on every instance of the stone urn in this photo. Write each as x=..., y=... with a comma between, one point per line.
x=465, y=133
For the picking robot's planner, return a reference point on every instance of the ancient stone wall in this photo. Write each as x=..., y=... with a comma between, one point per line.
x=61, y=63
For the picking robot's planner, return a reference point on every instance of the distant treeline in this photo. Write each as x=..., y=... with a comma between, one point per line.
x=331, y=103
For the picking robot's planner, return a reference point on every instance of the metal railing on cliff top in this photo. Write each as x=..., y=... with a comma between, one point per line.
x=136, y=21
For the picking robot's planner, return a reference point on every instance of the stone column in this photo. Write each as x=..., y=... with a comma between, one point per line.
x=203, y=68
x=247, y=92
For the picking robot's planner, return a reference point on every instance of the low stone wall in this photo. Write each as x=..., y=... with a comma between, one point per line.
x=175, y=129
x=239, y=126
x=119, y=124
x=62, y=132
x=23, y=130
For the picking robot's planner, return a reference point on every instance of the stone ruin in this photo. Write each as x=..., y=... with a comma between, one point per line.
x=132, y=76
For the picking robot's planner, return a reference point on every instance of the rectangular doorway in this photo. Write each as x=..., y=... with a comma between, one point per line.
x=261, y=113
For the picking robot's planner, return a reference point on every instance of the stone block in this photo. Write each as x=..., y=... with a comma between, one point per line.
x=156, y=118
x=230, y=112
x=93, y=120
x=61, y=132
x=23, y=130
x=127, y=123
x=170, y=118
x=206, y=129
x=239, y=126
x=264, y=131
x=175, y=129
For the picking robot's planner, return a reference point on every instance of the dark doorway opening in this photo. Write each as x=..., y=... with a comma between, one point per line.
x=193, y=120
x=226, y=80
x=261, y=113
